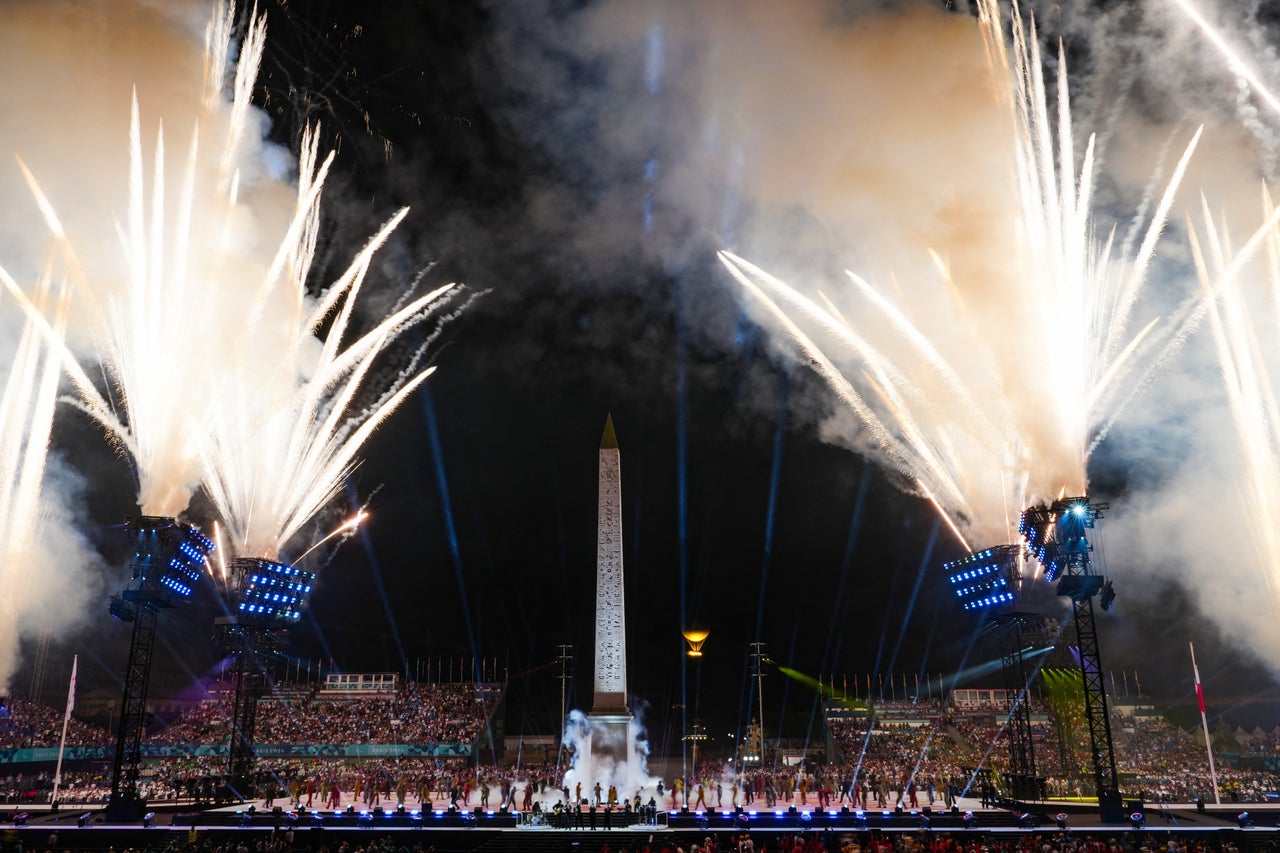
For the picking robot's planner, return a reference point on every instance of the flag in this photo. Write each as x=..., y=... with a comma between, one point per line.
x=1200, y=690
x=71, y=691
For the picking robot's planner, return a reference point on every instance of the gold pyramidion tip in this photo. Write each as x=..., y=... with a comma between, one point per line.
x=608, y=441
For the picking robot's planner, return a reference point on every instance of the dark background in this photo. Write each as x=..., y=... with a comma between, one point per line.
x=482, y=489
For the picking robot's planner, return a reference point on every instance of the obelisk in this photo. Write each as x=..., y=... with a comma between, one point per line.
x=610, y=715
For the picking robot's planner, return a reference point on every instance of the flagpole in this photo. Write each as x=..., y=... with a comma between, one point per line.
x=66, y=718
x=1204, y=722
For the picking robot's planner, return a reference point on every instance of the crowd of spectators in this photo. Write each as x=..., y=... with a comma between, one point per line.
x=281, y=841
x=288, y=841
x=90, y=786
x=414, y=714
x=1168, y=764
x=1059, y=842
x=873, y=842
x=24, y=726
x=897, y=753
x=418, y=714
x=1154, y=758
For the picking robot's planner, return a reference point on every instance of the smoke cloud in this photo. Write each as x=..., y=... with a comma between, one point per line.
x=191, y=242
x=69, y=69
x=199, y=224
x=164, y=225
x=590, y=768
x=819, y=137
x=46, y=568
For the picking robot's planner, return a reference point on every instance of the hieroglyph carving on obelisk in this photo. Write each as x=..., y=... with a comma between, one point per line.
x=611, y=624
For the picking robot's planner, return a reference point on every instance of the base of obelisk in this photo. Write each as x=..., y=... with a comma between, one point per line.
x=611, y=736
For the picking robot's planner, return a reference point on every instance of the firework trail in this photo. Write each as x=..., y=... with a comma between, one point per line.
x=1236, y=62
x=274, y=429
x=278, y=450
x=1244, y=356
x=281, y=441
x=26, y=420
x=1056, y=362
x=154, y=321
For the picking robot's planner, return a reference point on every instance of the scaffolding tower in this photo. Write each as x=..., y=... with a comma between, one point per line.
x=263, y=598
x=1025, y=639
x=1058, y=535
x=168, y=560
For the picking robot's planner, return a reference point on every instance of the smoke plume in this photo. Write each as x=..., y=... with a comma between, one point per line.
x=814, y=138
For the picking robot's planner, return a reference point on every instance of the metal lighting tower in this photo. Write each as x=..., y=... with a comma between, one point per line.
x=265, y=597
x=168, y=560
x=757, y=662
x=1022, y=749
x=1025, y=637
x=248, y=673
x=990, y=582
x=1057, y=535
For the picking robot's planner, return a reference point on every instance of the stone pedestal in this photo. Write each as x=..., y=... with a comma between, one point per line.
x=611, y=737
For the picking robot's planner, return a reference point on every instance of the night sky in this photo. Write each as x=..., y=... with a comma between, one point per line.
x=482, y=489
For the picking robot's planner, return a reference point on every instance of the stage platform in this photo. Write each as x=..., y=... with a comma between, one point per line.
x=466, y=832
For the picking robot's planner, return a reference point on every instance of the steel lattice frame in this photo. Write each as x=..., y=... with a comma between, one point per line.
x=1097, y=717
x=168, y=559
x=1023, y=636
x=253, y=638
x=1018, y=728
x=1022, y=754
x=250, y=686
x=251, y=646
x=1057, y=534
x=133, y=705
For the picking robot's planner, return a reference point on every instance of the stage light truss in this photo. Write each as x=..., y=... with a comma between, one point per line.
x=266, y=591
x=1056, y=535
x=169, y=557
x=987, y=578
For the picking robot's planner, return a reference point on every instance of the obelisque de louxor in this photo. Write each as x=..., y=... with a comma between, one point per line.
x=610, y=716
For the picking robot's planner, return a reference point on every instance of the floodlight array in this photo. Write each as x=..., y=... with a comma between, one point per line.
x=271, y=591
x=994, y=600
x=985, y=578
x=1056, y=534
x=169, y=556
x=188, y=564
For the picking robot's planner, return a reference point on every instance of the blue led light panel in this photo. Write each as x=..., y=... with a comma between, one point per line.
x=187, y=560
x=1057, y=535
x=271, y=591
x=169, y=556
x=985, y=578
